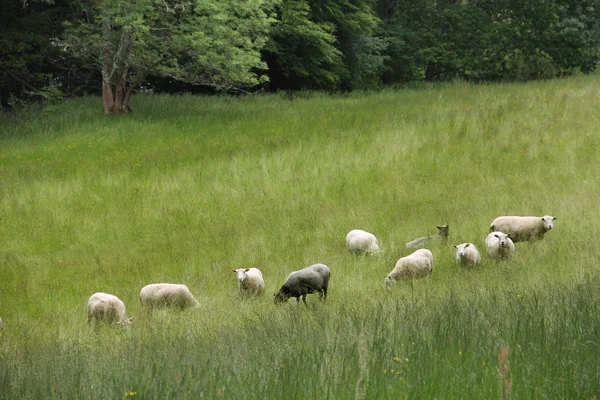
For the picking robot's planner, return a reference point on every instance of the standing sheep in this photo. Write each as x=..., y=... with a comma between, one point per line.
x=467, y=255
x=361, y=242
x=250, y=281
x=498, y=246
x=441, y=236
x=108, y=308
x=167, y=295
x=415, y=265
x=522, y=229
x=305, y=281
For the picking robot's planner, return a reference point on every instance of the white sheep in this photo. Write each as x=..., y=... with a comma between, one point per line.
x=415, y=265
x=521, y=229
x=167, y=295
x=499, y=246
x=108, y=308
x=467, y=255
x=440, y=237
x=362, y=242
x=250, y=281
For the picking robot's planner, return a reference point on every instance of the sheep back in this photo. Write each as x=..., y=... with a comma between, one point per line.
x=523, y=228
x=415, y=265
x=305, y=281
x=106, y=307
x=167, y=295
x=359, y=241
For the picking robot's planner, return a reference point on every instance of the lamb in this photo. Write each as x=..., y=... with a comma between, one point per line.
x=361, y=242
x=522, y=229
x=415, y=265
x=441, y=236
x=108, y=308
x=167, y=295
x=467, y=255
x=305, y=281
x=499, y=246
x=250, y=281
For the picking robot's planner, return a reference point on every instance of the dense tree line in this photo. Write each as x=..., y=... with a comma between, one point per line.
x=59, y=48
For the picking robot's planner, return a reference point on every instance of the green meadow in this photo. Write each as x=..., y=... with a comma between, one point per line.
x=188, y=188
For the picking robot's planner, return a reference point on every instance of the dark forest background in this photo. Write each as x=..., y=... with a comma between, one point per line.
x=51, y=50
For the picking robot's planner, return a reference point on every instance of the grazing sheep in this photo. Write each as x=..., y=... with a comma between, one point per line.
x=415, y=265
x=442, y=236
x=108, y=308
x=305, y=281
x=167, y=295
x=498, y=246
x=521, y=229
x=250, y=281
x=467, y=255
x=361, y=242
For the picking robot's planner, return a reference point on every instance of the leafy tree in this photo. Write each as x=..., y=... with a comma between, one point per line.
x=302, y=53
x=31, y=69
x=201, y=42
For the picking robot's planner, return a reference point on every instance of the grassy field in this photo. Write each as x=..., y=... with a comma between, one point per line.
x=188, y=188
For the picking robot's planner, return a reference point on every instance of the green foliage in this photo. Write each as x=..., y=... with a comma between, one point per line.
x=224, y=182
x=489, y=40
x=203, y=42
x=302, y=53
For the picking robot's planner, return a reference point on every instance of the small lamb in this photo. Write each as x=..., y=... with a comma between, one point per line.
x=361, y=242
x=250, y=281
x=442, y=236
x=522, y=229
x=108, y=308
x=305, y=281
x=498, y=246
x=467, y=255
x=415, y=265
x=167, y=295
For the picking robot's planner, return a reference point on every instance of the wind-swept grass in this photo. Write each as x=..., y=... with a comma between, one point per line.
x=188, y=188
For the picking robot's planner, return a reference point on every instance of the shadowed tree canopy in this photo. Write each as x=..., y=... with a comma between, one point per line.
x=199, y=42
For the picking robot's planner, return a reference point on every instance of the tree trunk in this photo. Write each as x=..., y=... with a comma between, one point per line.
x=115, y=100
x=107, y=94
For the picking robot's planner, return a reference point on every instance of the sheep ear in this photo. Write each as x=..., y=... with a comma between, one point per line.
x=131, y=319
x=497, y=236
x=234, y=271
x=553, y=218
x=467, y=245
x=455, y=246
x=247, y=269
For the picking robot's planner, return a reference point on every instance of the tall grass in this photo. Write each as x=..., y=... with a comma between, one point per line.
x=188, y=188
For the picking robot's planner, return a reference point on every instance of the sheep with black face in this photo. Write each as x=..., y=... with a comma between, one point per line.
x=305, y=281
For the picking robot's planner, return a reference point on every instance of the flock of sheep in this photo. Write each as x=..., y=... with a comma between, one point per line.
x=499, y=245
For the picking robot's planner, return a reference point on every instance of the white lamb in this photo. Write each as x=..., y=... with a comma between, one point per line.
x=467, y=255
x=167, y=295
x=415, y=265
x=521, y=229
x=498, y=246
x=108, y=308
x=361, y=242
x=250, y=281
